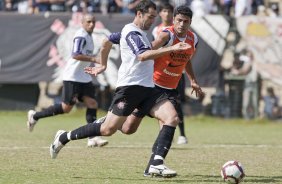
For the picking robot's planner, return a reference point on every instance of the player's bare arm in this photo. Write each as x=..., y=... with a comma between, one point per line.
x=161, y=40
x=194, y=84
x=104, y=53
x=152, y=54
x=86, y=58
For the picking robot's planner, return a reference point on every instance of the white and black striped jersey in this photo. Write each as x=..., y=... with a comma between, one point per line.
x=74, y=70
x=134, y=41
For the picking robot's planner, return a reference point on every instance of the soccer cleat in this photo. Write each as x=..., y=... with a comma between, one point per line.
x=161, y=171
x=91, y=142
x=146, y=174
x=182, y=140
x=96, y=141
x=30, y=121
x=56, y=146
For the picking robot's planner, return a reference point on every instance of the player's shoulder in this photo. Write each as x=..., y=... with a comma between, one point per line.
x=81, y=33
x=130, y=27
x=192, y=36
x=132, y=30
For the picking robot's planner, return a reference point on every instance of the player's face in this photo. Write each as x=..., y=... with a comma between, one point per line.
x=166, y=15
x=88, y=23
x=147, y=19
x=181, y=24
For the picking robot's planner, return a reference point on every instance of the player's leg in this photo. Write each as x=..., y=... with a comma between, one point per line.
x=69, y=94
x=116, y=116
x=246, y=103
x=87, y=95
x=110, y=125
x=131, y=124
x=182, y=139
x=165, y=112
x=180, y=97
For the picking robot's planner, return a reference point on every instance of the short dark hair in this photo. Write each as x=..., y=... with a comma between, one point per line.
x=165, y=6
x=183, y=10
x=144, y=5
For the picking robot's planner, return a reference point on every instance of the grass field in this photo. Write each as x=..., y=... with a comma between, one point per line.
x=25, y=159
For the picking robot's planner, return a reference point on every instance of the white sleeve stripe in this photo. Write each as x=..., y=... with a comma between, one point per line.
x=78, y=45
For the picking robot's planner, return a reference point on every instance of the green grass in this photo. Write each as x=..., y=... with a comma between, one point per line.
x=25, y=159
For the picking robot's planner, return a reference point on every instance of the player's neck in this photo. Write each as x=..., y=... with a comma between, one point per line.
x=180, y=35
x=137, y=24
x=166, y=24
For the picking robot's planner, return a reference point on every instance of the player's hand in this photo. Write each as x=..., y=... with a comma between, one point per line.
x=198, y=90
x=94, y=70
x=181, y=46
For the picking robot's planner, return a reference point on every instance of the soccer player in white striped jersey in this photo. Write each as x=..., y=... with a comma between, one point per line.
x=77, y=85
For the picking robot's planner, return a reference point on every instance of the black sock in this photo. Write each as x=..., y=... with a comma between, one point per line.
x=164, y=142
x=91, y=115
x=50, y=111
x=181, y=128
x=154, y=149
x=88, y=130
x=64, y=138
x=181, y=122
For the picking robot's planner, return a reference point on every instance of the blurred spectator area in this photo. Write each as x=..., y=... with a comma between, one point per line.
x=128, y=6
x=113, y=23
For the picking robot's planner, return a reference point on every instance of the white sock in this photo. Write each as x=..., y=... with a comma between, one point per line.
x=158, y=157
x=69, y=135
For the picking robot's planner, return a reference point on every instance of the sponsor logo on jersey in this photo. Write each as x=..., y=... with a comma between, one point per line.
x=171, y=73
x=178, y=56
x=133, y=43
x=171, y=65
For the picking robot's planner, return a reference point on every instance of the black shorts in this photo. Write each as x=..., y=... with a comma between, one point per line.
x=165, y=94
x=73, y=91
x=171, y=94
x=130, y=99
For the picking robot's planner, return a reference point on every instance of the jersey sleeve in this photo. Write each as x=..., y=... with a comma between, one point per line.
x=154, y=33
x=136, y=43
x=196, y=40
x=78, y=44
x=170, y=39
x=115, y=38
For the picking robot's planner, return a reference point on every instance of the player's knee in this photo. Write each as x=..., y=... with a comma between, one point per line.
x=108, y=131
x=91, y=103
x=67, y=109
x=128, y=130
x=172, y=120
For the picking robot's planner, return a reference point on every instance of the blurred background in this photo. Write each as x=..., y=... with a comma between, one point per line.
x=238, y=61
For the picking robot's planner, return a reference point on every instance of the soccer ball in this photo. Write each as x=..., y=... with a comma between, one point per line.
x=232, y=172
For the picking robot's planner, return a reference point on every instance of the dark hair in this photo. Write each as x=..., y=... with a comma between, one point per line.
x=144, y=5
x=165, y=6
x=183, y=10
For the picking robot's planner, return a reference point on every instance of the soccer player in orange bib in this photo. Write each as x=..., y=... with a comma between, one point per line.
x=168, y=68
x=166, y=14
